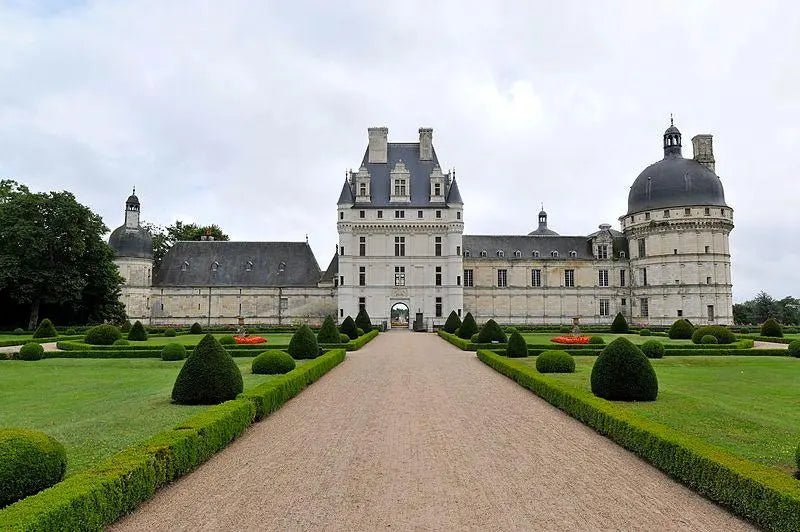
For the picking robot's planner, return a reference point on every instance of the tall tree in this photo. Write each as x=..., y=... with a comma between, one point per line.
x=165, y=237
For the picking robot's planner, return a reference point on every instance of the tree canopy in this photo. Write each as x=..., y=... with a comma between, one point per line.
x=165, y=237
x=763, y=306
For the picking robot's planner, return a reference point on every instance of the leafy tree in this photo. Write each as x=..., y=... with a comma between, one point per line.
x=763, y=306
x=165, y=237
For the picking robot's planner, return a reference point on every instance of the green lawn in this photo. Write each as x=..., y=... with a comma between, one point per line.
x=194, y=339
x=95, y=407
x=544, y=338
x=746, y=405
x=4, y=337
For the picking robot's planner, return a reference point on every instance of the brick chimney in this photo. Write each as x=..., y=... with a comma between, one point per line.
x=378, y=149
x=704, y=150
x=425, y=144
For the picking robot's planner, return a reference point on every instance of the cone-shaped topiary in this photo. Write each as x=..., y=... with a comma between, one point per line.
x=555, y=361
x=196, y=328
x=794, y=348
x=102, y=335
x=772, y=328
x=137, y=332
x=209, y=376
x=468, y=327
x=623, y=373
x=517, y=346
x=491, y=332
x=31, y=351
x=328, y=333
x=348, y=327
x=452, y=324
x=681, y=330
x=303, y=343
x=30, y=461
x=273, y=362
x=46, y=329
x=362, y=320
x=174, y=351
x=620, y=324
x=653, y=349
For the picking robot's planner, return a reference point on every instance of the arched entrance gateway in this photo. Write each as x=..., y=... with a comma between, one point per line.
x=399, y=316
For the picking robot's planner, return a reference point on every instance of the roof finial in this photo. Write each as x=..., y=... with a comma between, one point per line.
x=134, y=190
x=306, y=238
x=670, y=120
x=542, y=205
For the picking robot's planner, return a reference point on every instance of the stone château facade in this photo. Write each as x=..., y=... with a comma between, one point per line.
x=402, y=254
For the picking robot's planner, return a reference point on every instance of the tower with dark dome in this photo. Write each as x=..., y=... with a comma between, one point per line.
x=678, y=225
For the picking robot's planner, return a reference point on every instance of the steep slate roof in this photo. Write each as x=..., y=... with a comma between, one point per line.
x=453, y=195
x=346, y=197
x=332, y=271
x=527, y=244
x=300, y=268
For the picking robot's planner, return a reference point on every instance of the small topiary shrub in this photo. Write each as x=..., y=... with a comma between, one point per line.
x=209, y=376
x=681, y=330
x=46, y=329
x=126, y=326
x=121, y=341
x=491, y=332
x=304, y=344
x=19, y=330
x=555, y=361
x=708, y=340
x=137, y=332
x=170, y=332
x=468, y=327
x=227, y=340
x=102, y=335
x=30, y=461
x=273, y=362
x=347, y=327
x=362, y=321
x=31, y=351
x=70, y=332
x=196, y=328
x=645, y=332
x=452, y=324
x=653, y=349
x=597, y=340
x=722, y=334
x=517, y=346
x=328, y=333
x=360, y=331
x=343, y=338
x=771, y=328
x=620, y=324
x=623, y=373
x=174, y=351
x=794, y=348
x=474, y=338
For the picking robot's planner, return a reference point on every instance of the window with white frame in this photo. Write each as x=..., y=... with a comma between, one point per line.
x=500, y=253
x=483, y=253
x=644, y=307
x=536, y=277
x=468, y=277
x=569, y=278
x=400, y=187
x=399, y=275
x=437, y=246
x=602, y=251
x=399, y=246
x=362, y=246
x=517, y=253
x=438, y=277
x=605, y=307
x=602, y=277
x=502, y=278
x=362, y=276
x=535, y=254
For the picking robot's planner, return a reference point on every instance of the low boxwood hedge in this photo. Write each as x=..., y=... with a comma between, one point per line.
x=30, y=461
x=31, y=351
x=794, y=349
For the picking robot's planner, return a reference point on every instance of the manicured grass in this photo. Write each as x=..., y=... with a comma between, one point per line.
x=745, y=405
x=544, y=338
x=194, y=339
x=19, y=337
x=96, y=407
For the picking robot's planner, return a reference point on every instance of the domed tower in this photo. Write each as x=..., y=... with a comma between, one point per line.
x=677, y=227
x=133, y=249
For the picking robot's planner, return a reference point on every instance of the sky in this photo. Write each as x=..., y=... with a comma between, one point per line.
x=248, y=114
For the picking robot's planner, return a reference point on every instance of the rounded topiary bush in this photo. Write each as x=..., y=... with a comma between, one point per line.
x=46, y=329
x=597, y=340
x=19, y=330
x=137, y=332
x=708, y=339
x=196, y=328
x=30, y=461
x=70, y=332
x=517, y=346
x=555, y=361
x=362, y=321
x=474, y=338
x=722, y=334
x=772, y=328
x=653, y=349
x=359, y=331
x=620, y=324
x=343, y=338
x=227, y=340
x=102, y=335
x=794, y=348
x=623, y=373
x=681, y=330
x=169, y=332
x=347, y=327
x=645, y=332
x=491, y=332
x=31, y=351
x=273, y=362
x=121, y=341
x=209, y=376
x=452, y=324
x=303, y=343
x=468, y=327
x=328, y=333
x=126, y=326
x=174, y=351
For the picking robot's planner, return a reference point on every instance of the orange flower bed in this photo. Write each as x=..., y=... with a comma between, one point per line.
x=572, y=340
x=249, y=340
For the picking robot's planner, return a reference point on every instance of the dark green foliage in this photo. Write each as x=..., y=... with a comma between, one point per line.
x=19, y=330
x=653, y=349
x=772, y=328
x=564, y=329
x=30, y=461
x=517, y=346
x=623, y=373
x=362, y=321
x=794, y=348
x=209, y=376
x=273, y=362
x=165, y=237
x=46, y=329
x=597, y=340
x=491, y=332
x=474, y=338
x=555, y=361
x=31, y=351
x=359, y=331
x=343, y=338
x=304, y=344
x=452, y=324
x=126, y=326
x=681, y=330
x=102, y=335
x=722, y=334
x=227, y=340
x=708, y=339
x=328, y=333
x=70, y=332
x=645, y=332
x=468, y=327
x=620, y=324
x=137, y=332
x=173, y=352
x=121, y=341
x=196, y=328
x=797, y=459
x=169, y=332
x=349, y=328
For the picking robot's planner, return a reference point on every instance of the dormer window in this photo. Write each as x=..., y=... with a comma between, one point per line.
x=185, y=266
x=281, y=267
x=517, y=254
x=483, y=253
x=214, y=266
x=437, y=189
x=249, y=266
x=361, y=181
x=400, y=183
x=362, y=189
x=400, y=187
x=500, y=253
x=573, y=254
x=466, y=253
x=622, y=254
x=554, y=254
x=535, y=254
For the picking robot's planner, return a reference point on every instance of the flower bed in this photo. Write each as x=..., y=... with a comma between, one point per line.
x=571, y=340
x=249, y=340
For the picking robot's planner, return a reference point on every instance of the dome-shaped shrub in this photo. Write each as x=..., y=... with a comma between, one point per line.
x=681, y=330
x=555, y=361
x=174, y=351
x=226, y=339
x=31, y=351
x=196, y=328
x=517, y=346
x=137, y=332
x=620, y=324
x=362, y=321
x=121, y=341
x=169, y=332
x=359, y=331
x=70, y=332
x=304, y=344
x=597, y=340
x=209, y=376
x=794, y=348
x=452, y=324
x=491, y=332
x=468, y=327
x=102, y=335
x=772, y=328
x=46, y=329
x=708, y=339
x=474, y=338
x=19, y=330
x=653, y=349
x=623, y=373
x=126, y=326
x=722, y=334
x=30, y=461
x=273, y=362
x=645, y=332
x=347, y=327
x=328, y=333
x=343, y=338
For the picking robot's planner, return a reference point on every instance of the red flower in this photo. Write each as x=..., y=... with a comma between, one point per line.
x=249, y=340
x=572, y=340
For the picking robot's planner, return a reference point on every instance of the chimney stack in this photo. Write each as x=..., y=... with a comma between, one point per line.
x=425, y=144
x=704, y=150
x=378, y=149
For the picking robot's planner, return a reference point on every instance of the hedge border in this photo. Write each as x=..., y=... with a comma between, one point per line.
x=12, y=343
x=770, y=339
x=764, y=495
x=97, y=497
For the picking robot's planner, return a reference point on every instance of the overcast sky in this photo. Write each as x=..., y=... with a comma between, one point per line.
x=247, y=114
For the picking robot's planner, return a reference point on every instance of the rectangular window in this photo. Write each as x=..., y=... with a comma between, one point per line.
x=438, y=307
x=458, y=215
x=536, y=277
x=437, y=189
x=341, y=251
x=362, y=189
x=362, y=246
x=438, y=280
x=438, y=246
x=605, y=307
x=458, y=280
x=622, y=277
x=602, y=278
x=420, y=214
x=643, y=276
x=362, y=276
x=707, y=211
x=284, y=303
x=642, y=248
x=666, y=214
x=647, y=216
x=341, y=280
x=399, y=275
x=687, y=211
x=399, y=246
x=399, y=214
x=710, y=309
x=362, y=303
x=708, y=249
x=502, y=278
x=708, y=280
x=680, y=313
x=438, y=214
x=341, y=313
x=399, y=187
x=623, y=301
x=380, y=214
x=569, y=278
x=362, y=214
x=468, y=278
x=341, y=215
x=602, y=251
x=458, y=251
x=644, y=307
x=675, y=251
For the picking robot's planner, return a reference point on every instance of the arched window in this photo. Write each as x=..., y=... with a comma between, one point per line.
x=573, y=254
x=500, y=253
x=483, y=253
x=249, y=266
x=281, y=267
x=214, y=266
x=517, y=253
x=185, y=266
x=466, y=253
x=554, y=254
x=622, y=254
x=536, y=254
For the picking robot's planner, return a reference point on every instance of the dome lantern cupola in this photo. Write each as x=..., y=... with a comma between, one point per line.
x=131, y=240
x=543, y=230
x=672, y=140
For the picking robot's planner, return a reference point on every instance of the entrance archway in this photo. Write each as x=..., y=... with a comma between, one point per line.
x=399, y=315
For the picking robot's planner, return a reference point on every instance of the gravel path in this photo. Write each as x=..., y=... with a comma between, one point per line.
x=411, y=433
x=51, y=346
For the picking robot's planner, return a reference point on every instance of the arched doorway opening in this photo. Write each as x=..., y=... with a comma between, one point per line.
x=399, y=315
